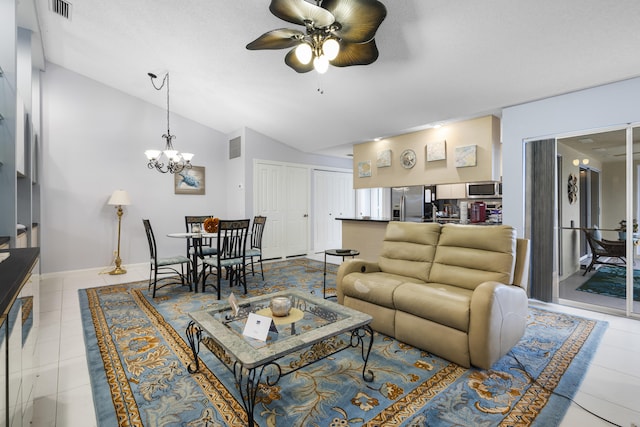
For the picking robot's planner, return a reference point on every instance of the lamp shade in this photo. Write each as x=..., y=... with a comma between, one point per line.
x=119, y=198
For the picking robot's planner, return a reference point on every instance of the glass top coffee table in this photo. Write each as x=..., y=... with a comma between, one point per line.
x=314, y=329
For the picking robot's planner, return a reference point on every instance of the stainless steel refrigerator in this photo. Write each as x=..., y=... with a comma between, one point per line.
x=407, y=203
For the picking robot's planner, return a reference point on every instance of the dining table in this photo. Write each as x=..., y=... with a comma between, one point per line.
x=194, y=256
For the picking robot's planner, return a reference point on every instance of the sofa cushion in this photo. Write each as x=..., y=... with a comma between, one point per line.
x=376, y=288
x=441, y=303
x=408, y=249
x=467, y=258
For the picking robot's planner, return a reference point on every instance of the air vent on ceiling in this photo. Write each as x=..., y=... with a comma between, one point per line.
x=62, y=8
x=235, y=147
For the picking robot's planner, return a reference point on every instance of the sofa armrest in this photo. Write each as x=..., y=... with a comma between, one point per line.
x=497, y=321
x=353, y=266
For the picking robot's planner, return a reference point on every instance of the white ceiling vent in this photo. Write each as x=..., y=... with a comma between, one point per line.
x=62, y=8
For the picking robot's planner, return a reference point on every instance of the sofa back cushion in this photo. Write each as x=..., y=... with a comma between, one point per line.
x=468, y=255
x=408, y=248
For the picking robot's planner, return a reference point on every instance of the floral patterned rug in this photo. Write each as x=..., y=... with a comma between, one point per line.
x=138, y=356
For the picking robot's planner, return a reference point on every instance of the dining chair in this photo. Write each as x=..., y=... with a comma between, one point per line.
x=198, y=221
x=164, y=266
x=230, y=255
x=255, y=249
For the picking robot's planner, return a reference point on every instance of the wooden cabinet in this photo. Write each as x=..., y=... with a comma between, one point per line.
x=451, y=191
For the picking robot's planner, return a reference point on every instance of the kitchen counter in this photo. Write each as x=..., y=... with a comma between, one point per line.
x=385, y=220
x=14, y=273
x=364, y=235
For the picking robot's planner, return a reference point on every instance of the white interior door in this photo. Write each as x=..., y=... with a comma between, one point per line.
x=269, y=202
x=333, y=198
x=297, y=210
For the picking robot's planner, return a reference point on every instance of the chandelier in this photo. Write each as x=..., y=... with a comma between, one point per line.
x=175, y=161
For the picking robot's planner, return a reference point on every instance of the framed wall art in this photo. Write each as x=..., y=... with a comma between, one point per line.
x=436, y=151
x=466, y=156
x=384, y=159
x=190, y=181
x=364, y=169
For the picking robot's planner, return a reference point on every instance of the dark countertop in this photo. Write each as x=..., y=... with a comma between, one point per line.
x=4, y=239
x=14, y=273
x=365, y=219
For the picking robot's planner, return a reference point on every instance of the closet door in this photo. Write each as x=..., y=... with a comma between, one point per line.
x=269, y=202
x=334, y=197
x=281, y=193
x=297, y=210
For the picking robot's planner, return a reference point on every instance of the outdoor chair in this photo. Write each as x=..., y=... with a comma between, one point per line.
x=605, y=252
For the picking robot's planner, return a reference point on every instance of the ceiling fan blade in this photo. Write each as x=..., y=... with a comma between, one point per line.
x=359, y=19
x=277, y=39
x=292, y=61
x=298, y=11
x=356, y=54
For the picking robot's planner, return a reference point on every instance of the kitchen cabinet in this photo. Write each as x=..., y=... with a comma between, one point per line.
x=451, y=191
x=19, y=308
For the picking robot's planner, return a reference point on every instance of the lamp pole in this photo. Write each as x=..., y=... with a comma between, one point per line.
x=118, y=199
x=118, y=269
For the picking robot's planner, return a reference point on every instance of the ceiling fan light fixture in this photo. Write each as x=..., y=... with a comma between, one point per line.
x=304, y=53
x=331, y=48
x=321, y=64
x=341, y=31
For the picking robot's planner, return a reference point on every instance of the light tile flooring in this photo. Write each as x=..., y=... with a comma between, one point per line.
x=63, y=394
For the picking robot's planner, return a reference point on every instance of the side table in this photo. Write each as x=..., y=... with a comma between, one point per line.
x=335, y=252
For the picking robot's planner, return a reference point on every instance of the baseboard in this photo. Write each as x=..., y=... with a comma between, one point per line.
x=96, y=271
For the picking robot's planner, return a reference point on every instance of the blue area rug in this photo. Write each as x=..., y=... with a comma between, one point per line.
x=611, y=281
x=138, y=356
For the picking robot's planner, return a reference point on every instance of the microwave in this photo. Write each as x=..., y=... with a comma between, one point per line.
x=484, y=190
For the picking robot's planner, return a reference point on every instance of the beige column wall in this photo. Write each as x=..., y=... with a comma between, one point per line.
x=482, y=132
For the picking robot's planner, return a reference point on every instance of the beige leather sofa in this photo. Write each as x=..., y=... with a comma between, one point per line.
x=457, y=291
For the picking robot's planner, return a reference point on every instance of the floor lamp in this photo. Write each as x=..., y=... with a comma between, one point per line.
x=119, y=198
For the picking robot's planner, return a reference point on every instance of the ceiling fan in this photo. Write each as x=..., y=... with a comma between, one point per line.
x=338, y=32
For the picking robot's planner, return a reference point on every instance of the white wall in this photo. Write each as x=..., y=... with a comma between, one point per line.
x=608, y=105
x=93, y=143
x=258, y=146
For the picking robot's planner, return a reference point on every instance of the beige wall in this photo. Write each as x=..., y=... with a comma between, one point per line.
x=613, y=194
x=483, y=132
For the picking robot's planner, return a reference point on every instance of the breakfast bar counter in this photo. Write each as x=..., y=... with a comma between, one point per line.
x=364, y=235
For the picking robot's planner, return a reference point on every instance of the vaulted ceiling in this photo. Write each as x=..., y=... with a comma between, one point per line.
x=439, y=60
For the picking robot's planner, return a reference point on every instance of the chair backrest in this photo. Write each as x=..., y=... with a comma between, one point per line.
x=232, y=238
x=256, y=231
x=153, y=250
x=189, y=222
x=592, y=241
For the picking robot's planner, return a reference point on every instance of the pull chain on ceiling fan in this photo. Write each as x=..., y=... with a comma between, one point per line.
x=337, y=32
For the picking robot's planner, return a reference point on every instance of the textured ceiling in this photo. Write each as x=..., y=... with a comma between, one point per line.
x=439, y=60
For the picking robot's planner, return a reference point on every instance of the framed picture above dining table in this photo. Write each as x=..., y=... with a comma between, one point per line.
x=190, y=181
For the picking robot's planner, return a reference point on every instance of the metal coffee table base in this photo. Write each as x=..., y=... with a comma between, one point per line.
x=248, y=380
